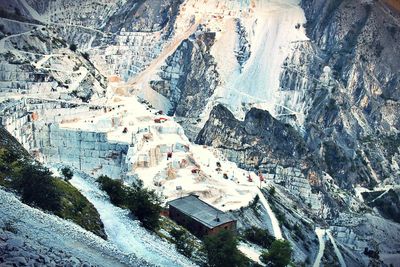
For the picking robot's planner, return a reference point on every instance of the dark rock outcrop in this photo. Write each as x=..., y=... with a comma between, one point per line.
x=255, y=142
x=189, y=77
x=242, y=50
x=143, y=16
x=386, y=202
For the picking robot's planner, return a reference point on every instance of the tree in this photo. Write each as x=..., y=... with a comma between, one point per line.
x=259, y=236
x=279, y=254
x=145, y=205
x=222, y=250
x=67, y=173
x=7, y=160
x=73, y=47
x=182, y=242
x=272, y=191
x=36, y=186
x=114, y=188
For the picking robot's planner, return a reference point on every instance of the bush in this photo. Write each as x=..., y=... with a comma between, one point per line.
x=73, y=47
x=145, y=204
x=222, y=250
x=272, y=191
x=259, y=236
x=115, y=189
x=36, y=186
x=67, y=173
x=278, y=255
x=182, y=242
x=39, y=188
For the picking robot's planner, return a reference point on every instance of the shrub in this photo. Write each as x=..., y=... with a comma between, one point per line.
x=37, y=187
x=253, y=205
x=67, y=173
x=272, y=191
x=73, y=47
x=222, y=250
x=114, y=188
x=259, y=236
x=85, y=55
x=145, y=205
x=182, y=242
x=278, y=255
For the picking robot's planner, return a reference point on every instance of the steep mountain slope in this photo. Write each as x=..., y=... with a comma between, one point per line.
x=28, y=235
x=359, y=53
x=41, y=189
x=305, y=93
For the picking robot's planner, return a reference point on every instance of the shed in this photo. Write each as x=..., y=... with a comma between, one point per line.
x=199, y=217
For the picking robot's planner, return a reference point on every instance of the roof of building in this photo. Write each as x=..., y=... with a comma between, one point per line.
x=201, y=211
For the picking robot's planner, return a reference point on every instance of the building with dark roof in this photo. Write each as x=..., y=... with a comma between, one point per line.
x=199, y=217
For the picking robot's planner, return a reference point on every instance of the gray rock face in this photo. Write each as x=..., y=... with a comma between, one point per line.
x=242, y=50
x=148, y=16
x=35, y=59
x=189, y=77
x=257, y=141
x=386, y=202
x=348, y=77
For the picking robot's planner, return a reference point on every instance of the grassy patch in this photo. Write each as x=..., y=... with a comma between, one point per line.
x=38, y=188
x=75, y=207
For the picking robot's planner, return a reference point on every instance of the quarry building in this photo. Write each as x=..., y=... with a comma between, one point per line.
x=199, y=217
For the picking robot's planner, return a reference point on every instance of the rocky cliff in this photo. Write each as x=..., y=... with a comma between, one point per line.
x=306, y=92
x=352, y=70
x=257, y=141
x=189, y=76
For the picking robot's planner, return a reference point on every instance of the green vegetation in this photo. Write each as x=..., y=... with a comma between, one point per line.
x=185, y=242
x=279, y=254
x=73, y=47
x=115, y=190
x=67, y=173
x=222, y=250
x=37, y=187
x=272, y=191
x=253, y=205
x=182, y=242
x=259, y=236
x=143, y=203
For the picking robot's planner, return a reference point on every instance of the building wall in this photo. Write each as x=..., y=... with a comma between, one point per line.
x=189, y=223
x=227, y=226
x=195, y=227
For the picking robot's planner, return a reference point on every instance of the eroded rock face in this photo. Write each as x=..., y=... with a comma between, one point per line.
x=386, y=202
x=242, y=51
x=148, y=16
x=346, y=84
x=189, y=76
x=257, y=141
